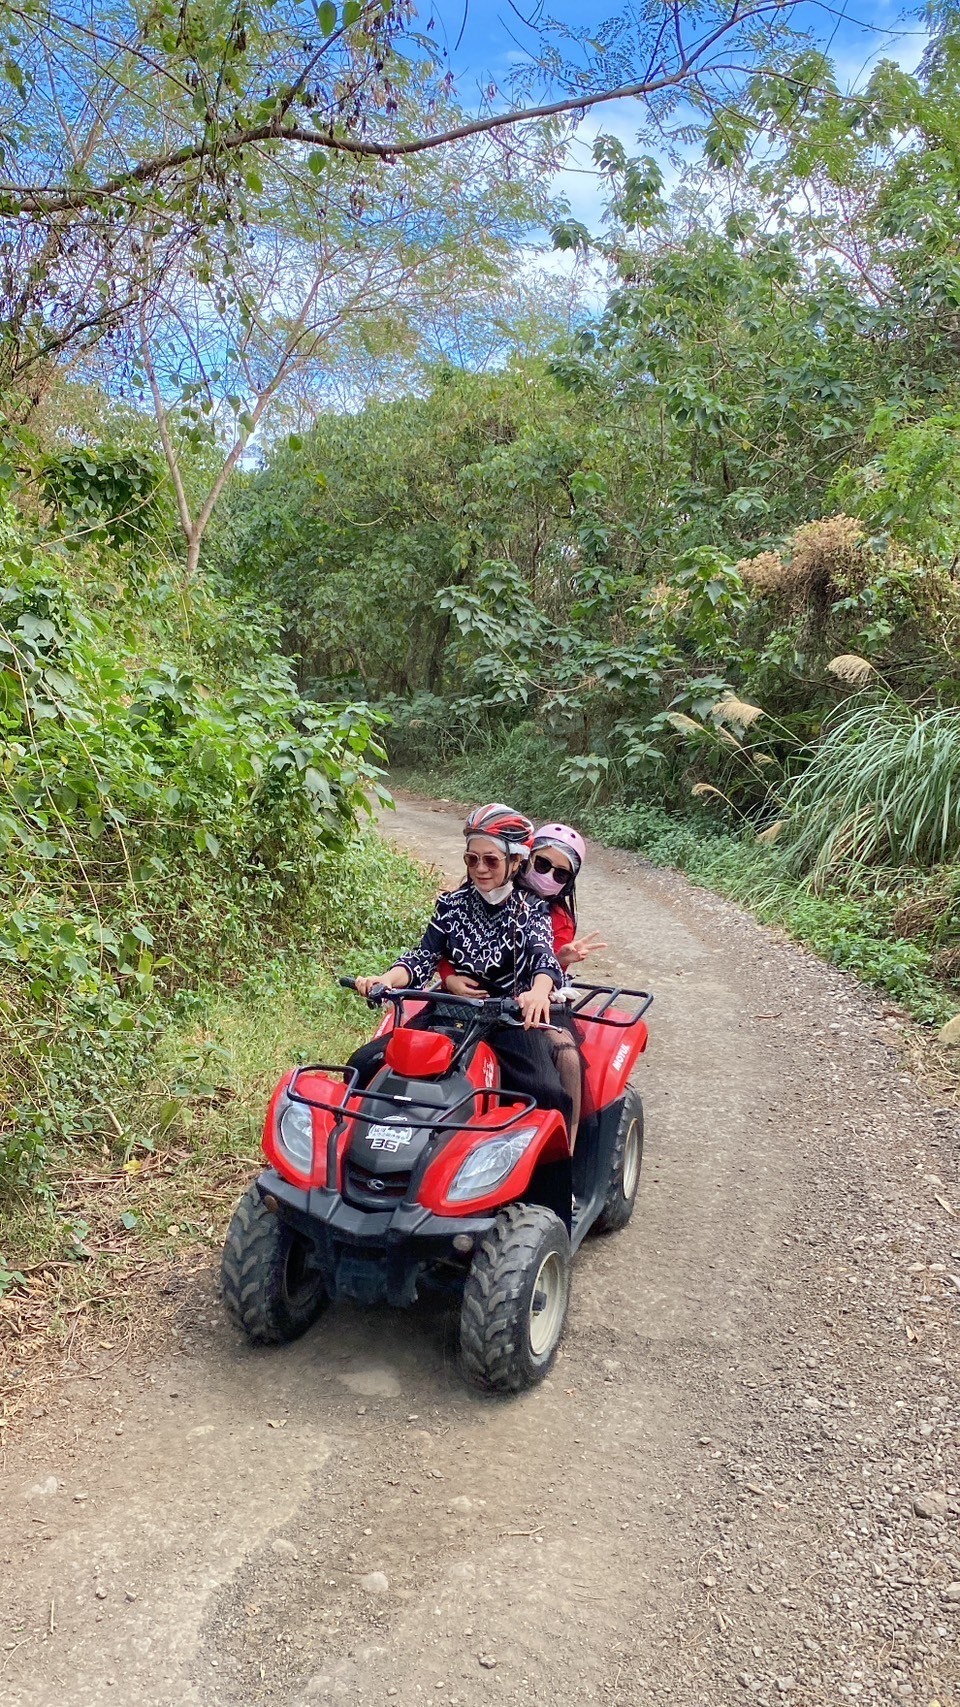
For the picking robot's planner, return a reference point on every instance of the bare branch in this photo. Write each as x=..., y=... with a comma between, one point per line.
x=163, y=427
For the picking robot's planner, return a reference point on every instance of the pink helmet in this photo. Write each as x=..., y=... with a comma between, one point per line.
x=562, y=836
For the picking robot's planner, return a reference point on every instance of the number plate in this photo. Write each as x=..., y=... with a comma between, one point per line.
x=390, y=1138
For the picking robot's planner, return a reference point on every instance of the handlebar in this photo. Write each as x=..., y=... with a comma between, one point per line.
x=593, y=1003
x=504, y=1009
x=383, y=993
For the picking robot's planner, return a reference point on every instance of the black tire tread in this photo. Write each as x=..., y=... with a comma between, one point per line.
x=251, y=1273
x=616, y=1210
x=490, y=1326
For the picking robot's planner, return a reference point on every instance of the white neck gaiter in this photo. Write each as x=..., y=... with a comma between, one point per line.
x=496, y=897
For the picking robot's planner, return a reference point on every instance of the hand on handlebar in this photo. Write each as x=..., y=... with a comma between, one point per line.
x=396, y=979
x=534, y=1004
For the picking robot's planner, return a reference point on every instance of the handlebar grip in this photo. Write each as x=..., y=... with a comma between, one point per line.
x=376, y=995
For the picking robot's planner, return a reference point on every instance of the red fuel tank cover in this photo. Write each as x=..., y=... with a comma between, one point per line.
x=418, y=1054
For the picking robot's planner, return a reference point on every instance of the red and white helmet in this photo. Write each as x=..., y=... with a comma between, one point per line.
x=511, y=830
x=562, y=836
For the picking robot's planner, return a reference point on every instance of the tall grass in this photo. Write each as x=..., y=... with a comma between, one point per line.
x=894, y=927
x=881, y=788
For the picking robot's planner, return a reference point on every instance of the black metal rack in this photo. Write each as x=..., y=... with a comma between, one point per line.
x=613, y=993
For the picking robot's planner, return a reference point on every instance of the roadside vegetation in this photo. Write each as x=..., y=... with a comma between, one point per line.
x=306, y=470
x=184, y=872
x=689, y=576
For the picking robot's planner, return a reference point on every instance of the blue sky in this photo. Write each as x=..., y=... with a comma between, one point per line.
x=486, y=38
x=491, y=33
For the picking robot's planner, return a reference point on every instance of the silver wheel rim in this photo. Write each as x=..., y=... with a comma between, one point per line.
x=547, y=1304
x=631, y=1159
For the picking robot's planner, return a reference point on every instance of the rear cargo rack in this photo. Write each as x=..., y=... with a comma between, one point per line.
x=610, y=994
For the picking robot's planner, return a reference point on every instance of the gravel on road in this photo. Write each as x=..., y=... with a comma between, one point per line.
x=741, y=1482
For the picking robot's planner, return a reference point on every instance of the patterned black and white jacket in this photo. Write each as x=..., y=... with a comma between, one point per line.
x=503, y=947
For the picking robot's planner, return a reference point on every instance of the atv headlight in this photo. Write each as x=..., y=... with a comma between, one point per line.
x=488, y=1165
x=296, y=1136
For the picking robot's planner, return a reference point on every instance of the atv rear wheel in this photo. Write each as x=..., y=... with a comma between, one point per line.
x=625, y=1168
x=515, y=1300
x=269, y=1288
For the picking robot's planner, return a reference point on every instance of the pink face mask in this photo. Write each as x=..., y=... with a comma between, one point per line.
x=545, y=883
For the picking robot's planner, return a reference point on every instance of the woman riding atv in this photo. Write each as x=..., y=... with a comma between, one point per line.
x=490, y=931
x=556, y=858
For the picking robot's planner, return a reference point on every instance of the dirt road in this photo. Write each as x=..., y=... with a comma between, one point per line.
x=740, y=1484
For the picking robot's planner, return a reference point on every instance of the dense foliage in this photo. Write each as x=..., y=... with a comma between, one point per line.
x=171, y=810
x=697, y=556
x=704, y=553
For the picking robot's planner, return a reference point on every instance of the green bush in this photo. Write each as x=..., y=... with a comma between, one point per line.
x=165, y=815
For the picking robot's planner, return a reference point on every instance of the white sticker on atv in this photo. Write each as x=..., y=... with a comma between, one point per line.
x=620, y=1056
x=488, y=1074
x=389, y=1138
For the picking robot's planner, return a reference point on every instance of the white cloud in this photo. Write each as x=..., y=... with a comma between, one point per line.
x=854, y=60
x=589, y=277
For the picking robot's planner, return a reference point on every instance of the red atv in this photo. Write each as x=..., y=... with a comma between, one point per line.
x=434, y=1174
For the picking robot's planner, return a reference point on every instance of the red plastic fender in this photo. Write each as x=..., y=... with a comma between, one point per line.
x=484, y=1069
x=418, y=1054
x=309, y=1084
x=549, y=1145
x=609, y=1055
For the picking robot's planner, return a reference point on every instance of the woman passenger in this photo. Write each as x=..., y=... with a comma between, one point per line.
x=498, y=936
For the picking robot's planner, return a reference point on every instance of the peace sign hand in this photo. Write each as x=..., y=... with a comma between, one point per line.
x=582, y=948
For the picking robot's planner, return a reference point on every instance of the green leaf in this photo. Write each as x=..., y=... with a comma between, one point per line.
x=571, y=234
x=351, y=12
x=129, y=1220
x=317, y=784
x=169, y=1110
x=14, y=76
x=327, y=16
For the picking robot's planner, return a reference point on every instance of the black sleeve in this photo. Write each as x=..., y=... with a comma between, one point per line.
x=422, y=962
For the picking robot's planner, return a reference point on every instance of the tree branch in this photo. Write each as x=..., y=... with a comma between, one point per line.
x=39, y=200
x=163, y=426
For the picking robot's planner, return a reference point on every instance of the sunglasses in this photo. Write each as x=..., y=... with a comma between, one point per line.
x=483, y=862
x=544, y=865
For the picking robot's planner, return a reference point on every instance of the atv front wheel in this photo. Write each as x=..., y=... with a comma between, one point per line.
x=515, y=1300
x=269, y=1287
x=625, y=1168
